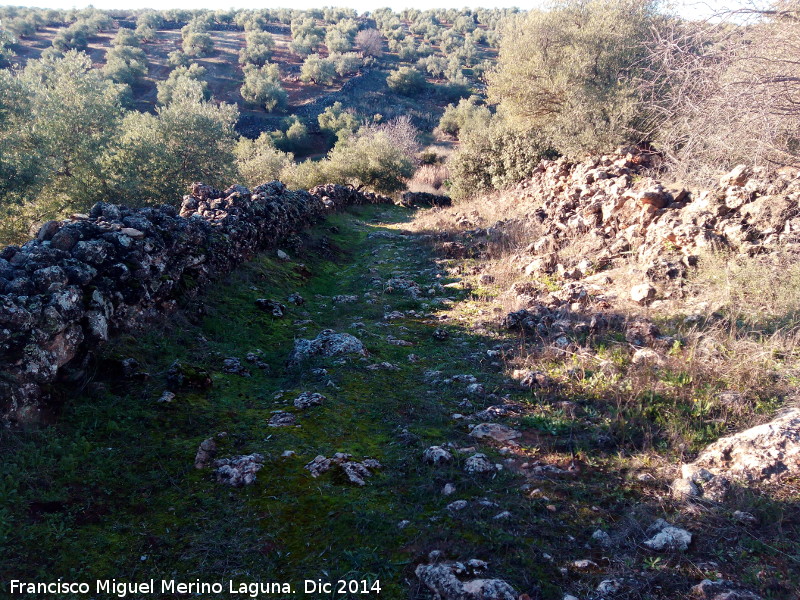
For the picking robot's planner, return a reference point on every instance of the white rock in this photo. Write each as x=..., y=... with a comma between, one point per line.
x=668, y=537
x=436, y=455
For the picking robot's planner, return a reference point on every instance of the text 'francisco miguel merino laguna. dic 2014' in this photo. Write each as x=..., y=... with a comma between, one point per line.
x=125, y=589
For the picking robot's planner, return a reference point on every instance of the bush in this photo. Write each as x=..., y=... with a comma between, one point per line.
x=337, y=122
x=370, y=42
x=405, y=81
x=125, y=64
x=570, y=71
x=258, y=161
x=317, y=69
x=125, y=37
x=198, y=44
x=347, y=64
x=494, y=157
x=263, y=86
x=167, y=87
x=465, y=116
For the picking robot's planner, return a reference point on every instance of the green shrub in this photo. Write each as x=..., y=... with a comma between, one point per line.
x=337, y=122
x=570, y=71
x=258, y=161
x=405, y=81
x=317, y=69
x=494, y=157
x=262, y=86
x=198, y=44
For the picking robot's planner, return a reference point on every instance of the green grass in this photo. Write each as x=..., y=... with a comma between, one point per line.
x=109, y=489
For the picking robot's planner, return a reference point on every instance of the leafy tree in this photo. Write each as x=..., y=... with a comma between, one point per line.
x=337, y=121
x=58, y=117
x=317, y=69
x=306, y=36
x=145, y=33
x=259, y=49
x=198, y=44
x=405, y=81
x=295, y=138
x=194, y=72
x=569, y=71
x=125, y=37
x=262, y=86
x=187, y=140
x=370, y=42
x=74, y=37
x=337, y=41
x=125, y=64
x=347, y=64
x=177, y=58
x=259, y=161
x=469, y=114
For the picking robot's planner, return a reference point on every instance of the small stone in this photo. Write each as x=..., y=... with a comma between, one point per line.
x=457, y=505
x=308, y=399
x=643, y=293
x=282, y=419
x=449, y=489
x=683, y=488
x=167, y=396
x=478, y=463
x=288, y=453
x=403, y=524
x=601, y=538
x=239, y=470
x=745, y=517
x=436, y=455
x=667, y=537
x=282, y=255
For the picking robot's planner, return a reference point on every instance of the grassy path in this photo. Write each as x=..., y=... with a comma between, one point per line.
x=110, y=489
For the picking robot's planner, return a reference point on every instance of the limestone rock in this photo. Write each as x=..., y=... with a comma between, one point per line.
x=239, y=470
x=757, y=454
x=327, y=343
x=666, y=538
x=478, y=463
x=436, y=455
x=495, y=431
x=308, y=399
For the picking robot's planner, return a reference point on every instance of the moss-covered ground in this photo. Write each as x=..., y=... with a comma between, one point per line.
x=109, y=489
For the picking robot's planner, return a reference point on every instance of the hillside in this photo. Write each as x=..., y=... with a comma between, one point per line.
x=475, y=304
x=364, y=91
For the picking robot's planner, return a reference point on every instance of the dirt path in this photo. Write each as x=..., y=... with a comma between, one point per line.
x=111, y=489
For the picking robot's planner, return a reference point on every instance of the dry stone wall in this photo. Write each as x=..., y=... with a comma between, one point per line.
x=65, y=292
